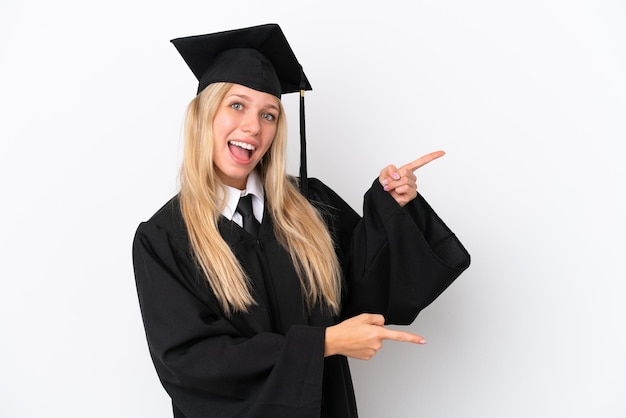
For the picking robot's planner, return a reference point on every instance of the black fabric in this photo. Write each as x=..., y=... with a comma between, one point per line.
x=270, y=361
x=258, y=57
x=250, y=223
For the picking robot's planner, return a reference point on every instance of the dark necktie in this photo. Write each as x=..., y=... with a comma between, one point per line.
x=244, y=207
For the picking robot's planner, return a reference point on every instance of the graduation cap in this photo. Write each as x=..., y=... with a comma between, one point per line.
x=258, y=57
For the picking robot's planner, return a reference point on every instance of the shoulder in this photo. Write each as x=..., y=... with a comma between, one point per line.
x=330, y=205
x=319, y=192
x=168, y=214
x=166, y=222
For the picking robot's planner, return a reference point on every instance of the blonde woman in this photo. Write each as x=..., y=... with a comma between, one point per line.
x=256, y=286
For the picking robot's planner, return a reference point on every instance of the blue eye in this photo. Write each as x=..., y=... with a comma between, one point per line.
x=268, y=116
x=237, y=106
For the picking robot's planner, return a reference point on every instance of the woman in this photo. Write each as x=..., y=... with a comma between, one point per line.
x=257, y=321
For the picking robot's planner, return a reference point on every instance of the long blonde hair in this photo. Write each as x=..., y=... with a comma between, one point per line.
x=298, y=226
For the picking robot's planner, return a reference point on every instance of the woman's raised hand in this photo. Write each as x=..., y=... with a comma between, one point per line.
x=401, y=183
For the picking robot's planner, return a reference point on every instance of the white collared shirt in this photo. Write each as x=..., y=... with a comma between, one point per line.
x=254, y=187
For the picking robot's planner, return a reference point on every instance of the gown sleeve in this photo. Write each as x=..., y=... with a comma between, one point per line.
x=205, y=361
x=400, y=258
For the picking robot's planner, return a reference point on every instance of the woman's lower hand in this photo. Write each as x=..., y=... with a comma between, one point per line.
x=361, y=337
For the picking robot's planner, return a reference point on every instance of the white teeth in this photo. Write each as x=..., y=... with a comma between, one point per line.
x=243, y=145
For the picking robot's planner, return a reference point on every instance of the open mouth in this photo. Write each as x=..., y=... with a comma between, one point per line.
x=241, y=150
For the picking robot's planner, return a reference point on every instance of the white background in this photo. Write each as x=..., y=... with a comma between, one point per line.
x=528, y=98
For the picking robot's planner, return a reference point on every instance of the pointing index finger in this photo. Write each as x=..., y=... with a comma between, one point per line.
x=423, y=160
x=401, y=336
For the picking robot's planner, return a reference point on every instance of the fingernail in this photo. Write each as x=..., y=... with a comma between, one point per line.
x=396, y=176
x=386, y=188
x=422, y=341
x=385, y=182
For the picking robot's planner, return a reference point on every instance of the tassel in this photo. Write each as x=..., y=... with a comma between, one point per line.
x=304, y=184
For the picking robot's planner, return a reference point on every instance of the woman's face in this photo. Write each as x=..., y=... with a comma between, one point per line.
x=244, y=128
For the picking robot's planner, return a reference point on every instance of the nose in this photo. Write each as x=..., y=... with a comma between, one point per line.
x=251, y=124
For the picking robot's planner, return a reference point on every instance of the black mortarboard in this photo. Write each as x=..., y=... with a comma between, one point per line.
x=257, y=57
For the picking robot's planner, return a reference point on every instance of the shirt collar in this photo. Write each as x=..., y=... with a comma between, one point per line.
x=254, y=186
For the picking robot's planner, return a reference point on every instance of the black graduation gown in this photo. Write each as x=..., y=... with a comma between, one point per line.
x=270, y=361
